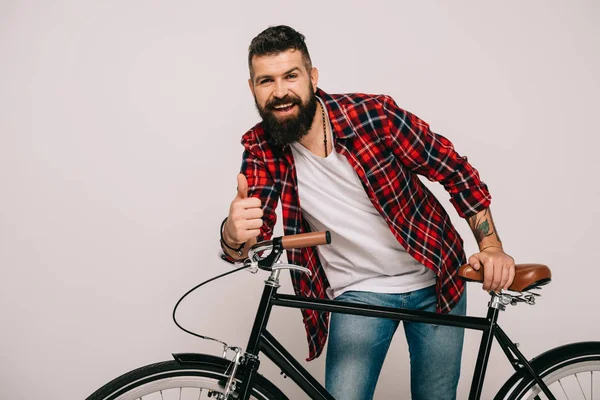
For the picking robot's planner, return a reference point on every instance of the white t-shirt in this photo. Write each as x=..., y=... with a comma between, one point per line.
x=364, y=254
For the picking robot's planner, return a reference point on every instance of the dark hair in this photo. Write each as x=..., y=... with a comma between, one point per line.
x=275, y=40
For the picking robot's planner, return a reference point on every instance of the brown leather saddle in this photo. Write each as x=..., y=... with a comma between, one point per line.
x=527, y=276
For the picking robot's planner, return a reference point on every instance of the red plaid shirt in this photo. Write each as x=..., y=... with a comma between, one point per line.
x=387, y=147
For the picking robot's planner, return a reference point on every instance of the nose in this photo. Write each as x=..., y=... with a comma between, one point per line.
x=281, y=90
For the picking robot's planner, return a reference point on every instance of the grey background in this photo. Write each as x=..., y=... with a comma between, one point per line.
x=119, y=144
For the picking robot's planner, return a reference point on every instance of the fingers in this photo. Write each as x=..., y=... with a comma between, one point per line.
x=242, y=230
x=497, y=277
x=246, y=209
x=488, y=275
x=253, y=212
x=511, y=275
x=242, y=187
x=504, y=273
x=251, y=224
x=498, y=270
x=244, y=204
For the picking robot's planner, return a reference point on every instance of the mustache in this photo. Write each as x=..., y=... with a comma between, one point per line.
x=287, y=99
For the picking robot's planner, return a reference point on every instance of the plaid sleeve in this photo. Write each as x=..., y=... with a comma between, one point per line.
x=433, y=156
x=261, y=185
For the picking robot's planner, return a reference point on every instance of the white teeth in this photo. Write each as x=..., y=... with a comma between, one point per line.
x=284, y=106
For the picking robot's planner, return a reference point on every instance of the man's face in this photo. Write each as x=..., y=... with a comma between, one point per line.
x=284, y=93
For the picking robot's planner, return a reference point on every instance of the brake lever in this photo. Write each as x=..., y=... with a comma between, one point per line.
x=251, y=266
x=295, y=267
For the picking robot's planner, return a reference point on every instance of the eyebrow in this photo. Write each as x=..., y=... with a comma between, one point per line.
x=258, y=78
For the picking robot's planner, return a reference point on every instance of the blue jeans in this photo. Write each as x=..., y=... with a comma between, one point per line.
x=358, y=345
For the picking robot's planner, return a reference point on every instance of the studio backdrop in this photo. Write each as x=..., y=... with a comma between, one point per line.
x=120, y=130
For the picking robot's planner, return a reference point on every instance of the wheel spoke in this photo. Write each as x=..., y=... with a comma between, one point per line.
x=580, y=387
x=170, y=380
x=563, y=388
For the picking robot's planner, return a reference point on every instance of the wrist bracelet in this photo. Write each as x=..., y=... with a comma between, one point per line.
x=239, y=250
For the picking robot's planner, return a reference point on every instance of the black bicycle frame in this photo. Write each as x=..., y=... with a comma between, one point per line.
x=263, y=341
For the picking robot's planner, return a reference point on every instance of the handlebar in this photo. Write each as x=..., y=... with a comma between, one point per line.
x=305, y=240
x=274, y=248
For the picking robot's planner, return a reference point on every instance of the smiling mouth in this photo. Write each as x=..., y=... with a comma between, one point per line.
x=284, y=107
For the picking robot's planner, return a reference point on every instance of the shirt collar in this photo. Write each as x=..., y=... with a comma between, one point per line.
x=342, y=128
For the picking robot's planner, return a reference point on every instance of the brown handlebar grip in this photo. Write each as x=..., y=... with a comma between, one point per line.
x=305, y=240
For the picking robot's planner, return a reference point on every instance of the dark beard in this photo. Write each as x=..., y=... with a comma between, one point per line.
x=291, y=129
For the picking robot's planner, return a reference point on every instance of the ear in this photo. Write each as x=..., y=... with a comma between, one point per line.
x=314, y=78
x=251, y=86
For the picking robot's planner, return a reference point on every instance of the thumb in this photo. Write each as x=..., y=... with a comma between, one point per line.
x=475, y=263
x=242, y=186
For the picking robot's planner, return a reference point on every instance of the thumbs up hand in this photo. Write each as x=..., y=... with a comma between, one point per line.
x=245, y=216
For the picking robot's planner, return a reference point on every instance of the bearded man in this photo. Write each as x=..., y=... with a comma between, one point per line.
x=348, y=163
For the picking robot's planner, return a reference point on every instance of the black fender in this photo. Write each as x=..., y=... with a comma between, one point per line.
x=547, y=359
x=198, y=358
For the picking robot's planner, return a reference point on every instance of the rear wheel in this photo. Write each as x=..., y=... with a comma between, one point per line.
x=570, y=372
x=171, y=380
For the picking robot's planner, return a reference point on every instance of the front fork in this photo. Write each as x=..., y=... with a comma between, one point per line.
x=230, y=386
x=250, y=359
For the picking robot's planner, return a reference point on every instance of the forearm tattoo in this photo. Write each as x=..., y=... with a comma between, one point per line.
x=482, y=226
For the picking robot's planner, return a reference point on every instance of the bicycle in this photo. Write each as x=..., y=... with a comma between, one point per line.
x=191, y=375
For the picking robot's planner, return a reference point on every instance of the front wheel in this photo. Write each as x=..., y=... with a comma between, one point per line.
x=173, y=380
x=570, y=372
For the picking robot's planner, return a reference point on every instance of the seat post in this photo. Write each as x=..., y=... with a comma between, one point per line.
x=498, y=301
x=485, y=347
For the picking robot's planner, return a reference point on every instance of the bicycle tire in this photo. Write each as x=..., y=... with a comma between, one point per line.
x=190, y=380
x=562, y=368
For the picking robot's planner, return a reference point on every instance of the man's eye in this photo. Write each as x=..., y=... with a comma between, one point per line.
x=266, y=80
x=292, y=76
